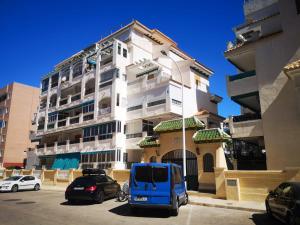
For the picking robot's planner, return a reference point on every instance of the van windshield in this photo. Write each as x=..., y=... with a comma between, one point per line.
x=151, y=174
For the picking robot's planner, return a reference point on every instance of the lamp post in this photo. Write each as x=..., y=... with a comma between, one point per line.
x=182, y=112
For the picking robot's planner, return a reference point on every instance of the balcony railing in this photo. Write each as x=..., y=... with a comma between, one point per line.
x=61, y=123
x=74, y=120
x=88, y=117
x=63, y=101
x=246, y=117
x=75, y=97
x=104, y=111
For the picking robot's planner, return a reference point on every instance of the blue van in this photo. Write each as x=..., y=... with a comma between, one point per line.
x=157, y=185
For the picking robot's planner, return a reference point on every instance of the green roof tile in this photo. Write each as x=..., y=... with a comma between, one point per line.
x=210, y=135
x=148, y=142
x=175, y=125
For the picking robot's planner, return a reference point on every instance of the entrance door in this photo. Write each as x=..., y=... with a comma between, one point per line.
x=191, y=166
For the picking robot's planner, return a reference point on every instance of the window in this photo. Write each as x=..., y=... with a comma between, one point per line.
x=160, y=174
x=54, y=80
x=3, y=97
x=88, y=108
x=119, y=48
x=45, y=84
x=152, y=159
x=77, y=69
x=177, y=175
x=134, y=108
x=2, y=123
x=158, y=102
x=208, y=163
x=143, y=173
x=118, y=100
x=124, y=53
x=3, y=111
x=176, y=102
x=103, y=131
x=52, y=118
x=147, y=127
x=298, y=6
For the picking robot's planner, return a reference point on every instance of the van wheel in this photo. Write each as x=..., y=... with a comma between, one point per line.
x=186, y=199
x=175, y=211
x=14, y=188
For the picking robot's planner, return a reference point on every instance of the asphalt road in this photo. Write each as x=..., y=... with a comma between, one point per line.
x=50, y=208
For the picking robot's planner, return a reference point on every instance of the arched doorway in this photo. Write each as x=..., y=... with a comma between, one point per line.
x=191, y=166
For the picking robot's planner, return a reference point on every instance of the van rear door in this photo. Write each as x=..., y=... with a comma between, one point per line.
x=141, y=185
x=161, y=185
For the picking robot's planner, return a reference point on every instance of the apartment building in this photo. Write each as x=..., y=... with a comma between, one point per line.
x=18, y=103
x=98, y=104
x=265, y=48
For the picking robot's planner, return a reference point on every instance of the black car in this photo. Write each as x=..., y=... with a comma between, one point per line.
x=94, y=185
x=284, y=203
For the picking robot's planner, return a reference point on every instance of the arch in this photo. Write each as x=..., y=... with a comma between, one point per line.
x=176, y=156
x=208, y=163
x=152, y=158
x=90, y=86
x=53, y=99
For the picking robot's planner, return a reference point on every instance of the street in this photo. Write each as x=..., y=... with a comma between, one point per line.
x=49, y=208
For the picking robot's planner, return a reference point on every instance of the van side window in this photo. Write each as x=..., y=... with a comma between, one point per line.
x=177, y=175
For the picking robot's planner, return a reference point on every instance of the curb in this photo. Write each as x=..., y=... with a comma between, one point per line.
x=227, y=207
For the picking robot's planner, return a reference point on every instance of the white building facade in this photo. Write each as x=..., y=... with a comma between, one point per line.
x=98, y=104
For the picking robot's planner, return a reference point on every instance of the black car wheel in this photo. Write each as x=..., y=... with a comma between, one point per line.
x=268, y=209
x=290, y=219
x=36, y=187
x=99, y=197
x=14, y=188
x=175, y=211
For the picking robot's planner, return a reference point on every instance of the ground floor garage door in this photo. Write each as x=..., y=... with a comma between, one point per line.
x=191, y=166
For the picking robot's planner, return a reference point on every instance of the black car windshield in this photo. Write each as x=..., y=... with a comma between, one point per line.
x=151, y=174
x=13, y=178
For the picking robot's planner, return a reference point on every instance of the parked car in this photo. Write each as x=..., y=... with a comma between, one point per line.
x=157, y=185
x=16, y=183
x=284, y=203
x=94, y=185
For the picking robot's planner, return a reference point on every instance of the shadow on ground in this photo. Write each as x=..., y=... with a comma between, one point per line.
x=264, y=219
x=124, y=210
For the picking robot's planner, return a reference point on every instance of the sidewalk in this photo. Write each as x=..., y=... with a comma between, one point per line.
x=228, y=204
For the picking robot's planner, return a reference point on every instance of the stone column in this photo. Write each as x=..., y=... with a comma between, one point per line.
x=220, y=157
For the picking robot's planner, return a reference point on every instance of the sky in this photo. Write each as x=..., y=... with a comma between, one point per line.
x=36, y=35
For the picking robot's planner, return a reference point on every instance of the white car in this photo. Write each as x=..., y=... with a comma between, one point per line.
x=15, y=183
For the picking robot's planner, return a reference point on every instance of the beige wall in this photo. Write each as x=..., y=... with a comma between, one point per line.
x=173, y=141
x=278, y=97
x=24, y=102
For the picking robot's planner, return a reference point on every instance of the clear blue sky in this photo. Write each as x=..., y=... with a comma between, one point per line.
x=36, y=35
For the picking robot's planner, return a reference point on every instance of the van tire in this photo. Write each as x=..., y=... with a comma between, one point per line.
x=186, y=199
x=175, y=210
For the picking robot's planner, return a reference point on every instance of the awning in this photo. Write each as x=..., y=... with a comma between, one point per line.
x=66, y=161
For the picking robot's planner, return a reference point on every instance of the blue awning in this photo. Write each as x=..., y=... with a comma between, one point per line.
x=66, y=161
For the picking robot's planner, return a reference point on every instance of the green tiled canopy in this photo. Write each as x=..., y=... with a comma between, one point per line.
x=148, y=142
x=211, y=135
x=175, y=125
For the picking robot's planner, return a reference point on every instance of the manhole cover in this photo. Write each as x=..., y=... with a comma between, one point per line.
x=25, y=203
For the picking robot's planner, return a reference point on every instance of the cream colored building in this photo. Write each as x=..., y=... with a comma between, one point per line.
x=18, y=103
x=269, y=97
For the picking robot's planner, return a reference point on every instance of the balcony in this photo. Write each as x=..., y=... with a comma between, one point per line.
x=243, y=89
x=132, y=140
x=76, y=145
x=104, y=111
x=246, y=126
